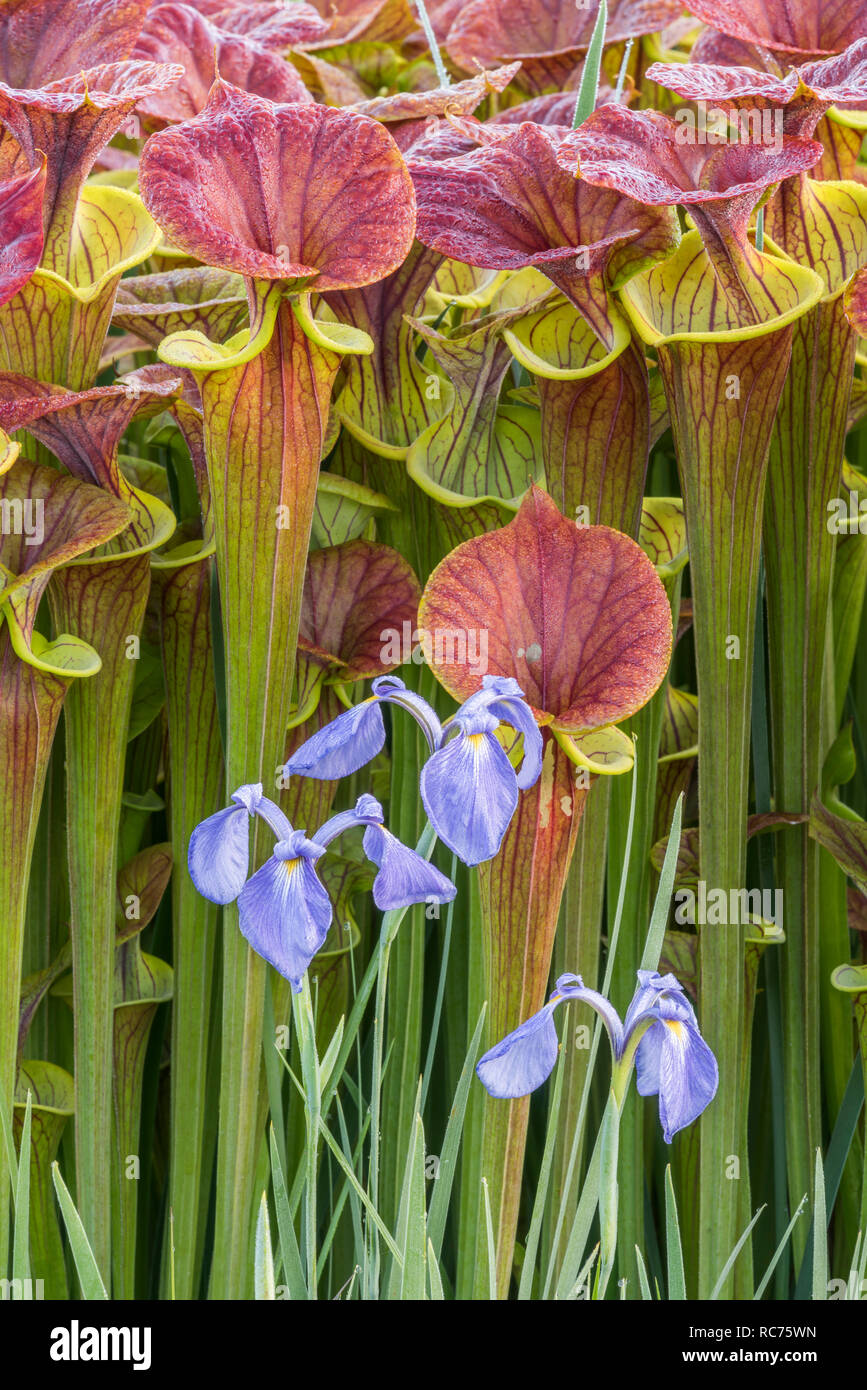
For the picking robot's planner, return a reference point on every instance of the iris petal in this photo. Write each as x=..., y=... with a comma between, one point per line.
x=647, y=1060
x=470, y=793
x=651, y=988
x=523, y=1060
x=285, y=914
x=674, y=1061
x=520, y=716
x=219, y=854
x=688, y=1076
x=343, y=746
x=404, y=877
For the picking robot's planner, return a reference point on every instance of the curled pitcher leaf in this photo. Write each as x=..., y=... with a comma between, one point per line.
x=368, y=21
x=84, y=430
x=267, y=22
x=811, y=30
x=358, y=619
x=642, y=154
x=42, y=40
x=69, y=121
x=404, y=112
x=55, y=326
x=511, y=204
x=549, y=40
x=178, y=34
x=358, y=600
x=21, y=231
x=76, y=518
x=245, y=186
x=855, y=302
x=476, y=457
x=191, y=299
x=805, y=92
x=843, y=836
x=576, y=614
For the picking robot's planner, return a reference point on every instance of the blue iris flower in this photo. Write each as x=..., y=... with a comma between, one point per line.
x=468, y=785
x=660, y=1033
x=284, y=910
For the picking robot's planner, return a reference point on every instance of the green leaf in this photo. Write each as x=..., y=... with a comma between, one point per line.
x=290, y=1255
x=89, y=1277
x=662, y=902
x=149, y=693
x=360, y=1192
x=820, y=1233
x=777, y=1255
x=724, y=1273
x=492, y=1253
x=673, y=1247
x=642, y=1276
x=21, y=1237
x=411, y=1223
x=448, y=1158
x=264, y=1258
x=434, y=1278
x=590, y=77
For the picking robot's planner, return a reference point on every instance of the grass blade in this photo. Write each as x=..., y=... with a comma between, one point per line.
x=673, y=1247
x=643, y=1283
x=293, y=1270
x=448, y=1158
x=89, y=1277
x=263, y=1273
x=820, y=1237
x=434, y=1278
x=592, y=64
x=360, y=1192
x=715, y=1291
x=777, y=1255
x=21, y=1236
x=492, y=1254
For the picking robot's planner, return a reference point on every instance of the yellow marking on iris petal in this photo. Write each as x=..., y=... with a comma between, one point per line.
x=290, y=865
x=676, y=1027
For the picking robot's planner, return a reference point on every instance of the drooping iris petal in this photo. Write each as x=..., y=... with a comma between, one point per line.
x=367, y=811
x=523, y=1060
x=272, y=815
x=343, y=746
x=404, y=877
x=573, y=987
x=219, y=852
x=470, y=793
x=284, y=911
x=675, y=1062
x=392, y=689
